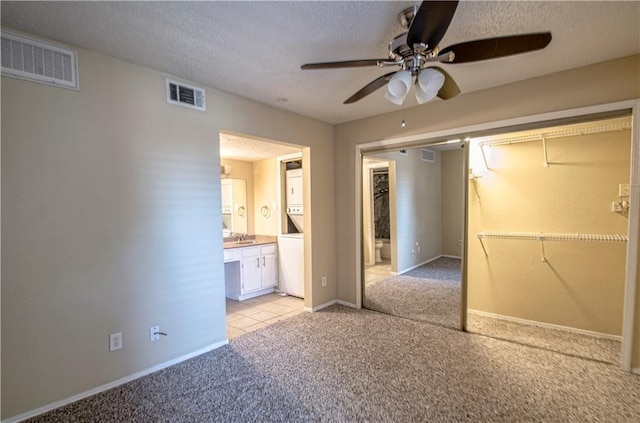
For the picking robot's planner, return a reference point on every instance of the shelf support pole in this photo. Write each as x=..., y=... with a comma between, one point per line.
x=483, y=249
x=484, y=157
x=544, y=151
x=541, y=238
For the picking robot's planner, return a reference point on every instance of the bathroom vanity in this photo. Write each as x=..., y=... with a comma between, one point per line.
x=250, y=267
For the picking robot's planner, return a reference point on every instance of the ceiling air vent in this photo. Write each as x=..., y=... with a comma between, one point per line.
x=428, y=155
x=185, y=95
x=36, y=61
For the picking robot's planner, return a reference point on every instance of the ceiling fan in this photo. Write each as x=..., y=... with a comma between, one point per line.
x=417, y=49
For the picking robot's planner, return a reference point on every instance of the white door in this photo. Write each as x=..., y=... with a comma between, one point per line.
x=251, y=272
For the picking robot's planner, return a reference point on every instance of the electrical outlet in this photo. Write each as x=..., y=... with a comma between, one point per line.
x=623, y=190
x=418, y=248
x=324, y=281
x=154, y=333
x=616, y=206
x=115, y=341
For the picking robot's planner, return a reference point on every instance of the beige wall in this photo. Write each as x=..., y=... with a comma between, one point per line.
x=452, y=201
x=581, y=284
x=616, y=80
x=111, y=223
x=418, y=221
x=244, y=170
x=267, y=193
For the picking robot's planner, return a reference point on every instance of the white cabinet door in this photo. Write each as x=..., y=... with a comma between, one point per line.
x=269, y=270
x=251, y=270
x=294, y=187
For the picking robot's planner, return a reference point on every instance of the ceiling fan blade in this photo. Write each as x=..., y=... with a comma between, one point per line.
x=431, y=22
x=492, y=48
x=450, y=88
x=369, y=88
x=344, y=64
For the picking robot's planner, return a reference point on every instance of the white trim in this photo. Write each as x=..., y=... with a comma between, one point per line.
x=346, y=304
x=632, y=246
x=115, y=383
x=635, y=370
x=321, y=306
x=546, y=325
x=450, y=256
x=358, y=249
x=418, y=265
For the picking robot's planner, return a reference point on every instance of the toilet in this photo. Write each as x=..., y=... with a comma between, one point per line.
x=379, y=244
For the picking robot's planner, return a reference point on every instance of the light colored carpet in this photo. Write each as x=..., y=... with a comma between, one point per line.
x=430, y=293
x=563, y=341
x=345, y=365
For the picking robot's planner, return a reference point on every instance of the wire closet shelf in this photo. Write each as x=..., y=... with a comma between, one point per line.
x=550, y=236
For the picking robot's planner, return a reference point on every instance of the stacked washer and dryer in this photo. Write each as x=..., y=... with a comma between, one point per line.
x=291, y=243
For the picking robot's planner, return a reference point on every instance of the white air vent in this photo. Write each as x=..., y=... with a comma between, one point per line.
x=37, y=61
x=428, y=155
x=185, y=95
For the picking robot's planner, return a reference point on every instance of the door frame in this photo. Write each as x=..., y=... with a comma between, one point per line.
x=513, y=124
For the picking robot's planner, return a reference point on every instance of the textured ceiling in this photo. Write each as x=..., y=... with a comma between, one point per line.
x=251, y=150
x=255, y=49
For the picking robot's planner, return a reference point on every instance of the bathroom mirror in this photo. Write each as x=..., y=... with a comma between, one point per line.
x=234, y=206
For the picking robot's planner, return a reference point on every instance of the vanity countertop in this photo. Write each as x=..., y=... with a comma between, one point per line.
x=249, y=241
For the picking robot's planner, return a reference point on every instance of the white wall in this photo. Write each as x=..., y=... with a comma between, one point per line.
x=452, y=201
x=416, y=210
x=111, y=223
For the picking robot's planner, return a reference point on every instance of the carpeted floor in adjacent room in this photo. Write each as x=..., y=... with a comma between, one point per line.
x=346, y=365
x=429, y=293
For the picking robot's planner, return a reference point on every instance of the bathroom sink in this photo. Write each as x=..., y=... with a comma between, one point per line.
x=250, y=241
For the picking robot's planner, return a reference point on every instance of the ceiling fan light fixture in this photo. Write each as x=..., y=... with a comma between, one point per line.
x=423, y=96
x=400, y=84
x=430, y=81
x=395, y=100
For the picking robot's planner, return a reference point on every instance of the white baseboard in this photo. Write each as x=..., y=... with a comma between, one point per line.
x=635, y=370
x=330, y=303
x=115, y=383
x=450, y=256
x=346, y=304
x=547, y=325
x=321, y=306
x=420, y=264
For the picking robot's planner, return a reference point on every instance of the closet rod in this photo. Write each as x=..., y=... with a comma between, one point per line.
x=614, y=127
x=550, y=236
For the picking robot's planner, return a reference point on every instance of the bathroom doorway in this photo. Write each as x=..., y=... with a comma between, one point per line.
x=413, y=209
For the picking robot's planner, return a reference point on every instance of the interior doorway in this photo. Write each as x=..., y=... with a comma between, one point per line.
x=413, y=208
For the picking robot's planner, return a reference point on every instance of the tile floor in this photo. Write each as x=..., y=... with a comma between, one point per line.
x=255, y=313
x=377, y=272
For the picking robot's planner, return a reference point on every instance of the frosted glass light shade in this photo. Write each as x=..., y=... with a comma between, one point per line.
x=400, y=83
x=423, y=96
x=429, y=83
x=394, y=99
